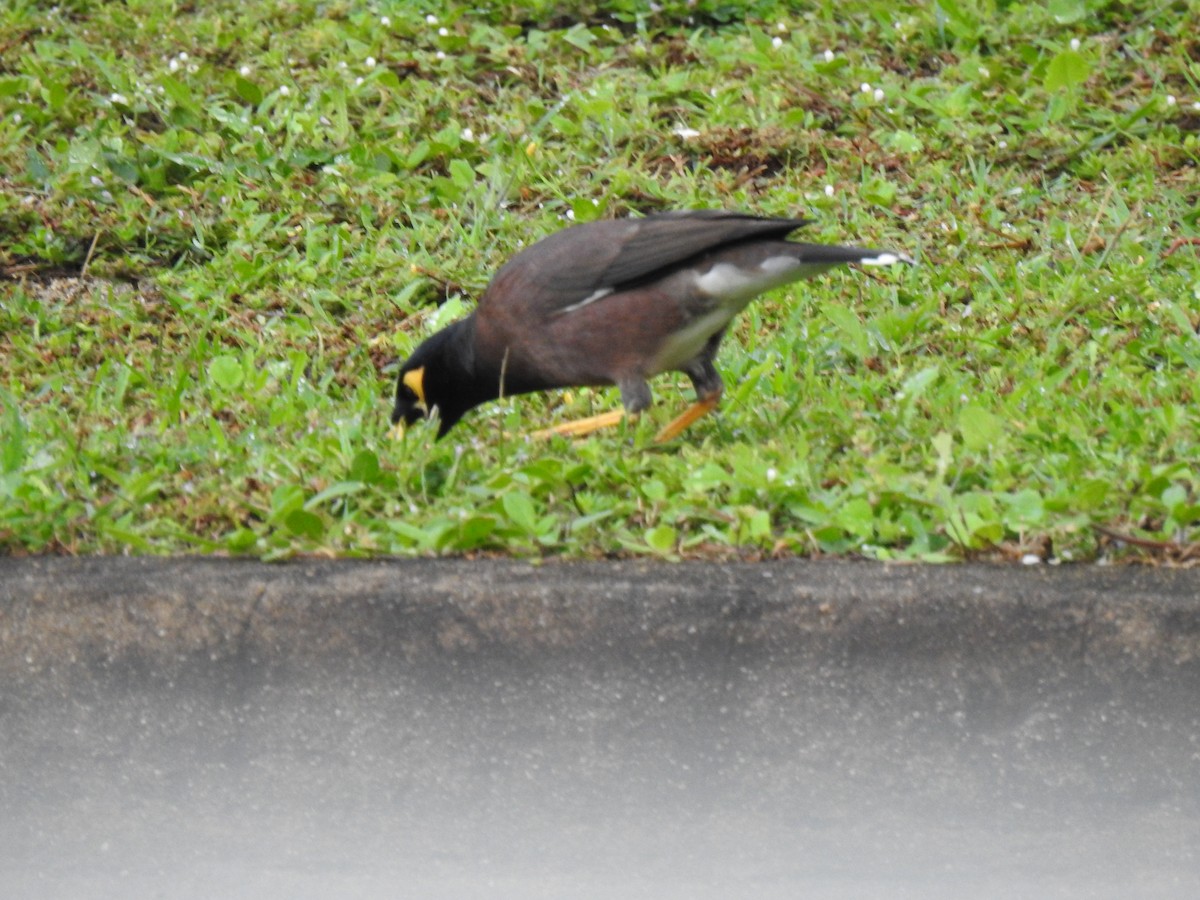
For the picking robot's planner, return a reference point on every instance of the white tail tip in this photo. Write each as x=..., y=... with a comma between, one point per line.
x=886, y=259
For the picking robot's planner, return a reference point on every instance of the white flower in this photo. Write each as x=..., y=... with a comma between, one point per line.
x=284, y=90
x=1171, y=101
x=468, y=134
x=686, y=133
x=358, y=81
x=431, y=19
x=829, y=190
x=385, y=21
x=440, y=54
x=370, y=62
x=16, y=118
x=865, y=88
x=1074, y=43
x=96, y=181
x=244, y=71
x=118, y=98
x=173, y=65
x=777, y=42
x=829, y=56
x=443, y=32
x=878, y=94
x=183, y=55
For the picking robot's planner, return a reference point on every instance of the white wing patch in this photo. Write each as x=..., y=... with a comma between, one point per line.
x=598, y=294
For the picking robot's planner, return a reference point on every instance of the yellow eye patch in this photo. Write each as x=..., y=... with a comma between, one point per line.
x=415, y=382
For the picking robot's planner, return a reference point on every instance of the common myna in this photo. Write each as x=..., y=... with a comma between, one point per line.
x=612, y=302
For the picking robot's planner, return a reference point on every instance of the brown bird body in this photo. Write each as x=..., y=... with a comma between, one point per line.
x=612, y=302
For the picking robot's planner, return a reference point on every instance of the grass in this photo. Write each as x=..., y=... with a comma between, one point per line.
x=223, y=224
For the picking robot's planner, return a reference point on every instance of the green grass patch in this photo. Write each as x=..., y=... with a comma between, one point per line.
x=222, y=225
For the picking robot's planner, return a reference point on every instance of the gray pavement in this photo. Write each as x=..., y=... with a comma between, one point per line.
x=206, y=727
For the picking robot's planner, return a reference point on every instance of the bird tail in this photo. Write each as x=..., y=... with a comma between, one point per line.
x=832, y=255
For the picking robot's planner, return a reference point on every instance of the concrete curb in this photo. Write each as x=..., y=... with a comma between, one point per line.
x=199, y=727
x=59, y=612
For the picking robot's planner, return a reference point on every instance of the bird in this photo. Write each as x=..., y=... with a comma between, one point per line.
x=613, y=302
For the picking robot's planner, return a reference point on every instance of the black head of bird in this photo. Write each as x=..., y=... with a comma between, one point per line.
x=612, y=303
x=439, y=380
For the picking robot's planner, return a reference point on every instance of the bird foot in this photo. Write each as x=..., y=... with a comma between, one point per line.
x=581, y=427
x=676, y=426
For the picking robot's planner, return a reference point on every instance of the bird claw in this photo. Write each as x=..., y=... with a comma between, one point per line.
x=581, y=427
x=676, y=426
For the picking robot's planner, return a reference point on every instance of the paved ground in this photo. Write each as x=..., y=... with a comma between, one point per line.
x=204, y=728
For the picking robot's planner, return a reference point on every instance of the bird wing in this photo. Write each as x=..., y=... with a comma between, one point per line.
x=587, y=262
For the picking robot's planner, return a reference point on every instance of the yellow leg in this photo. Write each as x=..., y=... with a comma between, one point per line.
x=697, y=410
x=580, y=427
